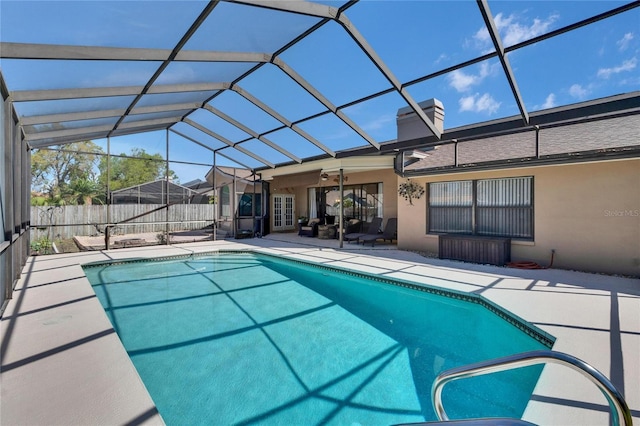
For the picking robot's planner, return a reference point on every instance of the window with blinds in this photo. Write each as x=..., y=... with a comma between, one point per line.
x=451, y=207
x=492, y=207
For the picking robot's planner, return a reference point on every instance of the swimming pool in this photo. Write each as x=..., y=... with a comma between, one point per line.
x=240, y=338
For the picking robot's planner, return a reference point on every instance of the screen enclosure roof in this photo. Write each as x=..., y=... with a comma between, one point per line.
x=272, y=83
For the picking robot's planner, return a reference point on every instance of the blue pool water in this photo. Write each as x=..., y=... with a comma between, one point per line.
x=248, y=339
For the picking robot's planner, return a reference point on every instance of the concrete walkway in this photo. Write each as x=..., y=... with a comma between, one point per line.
x=63, y=364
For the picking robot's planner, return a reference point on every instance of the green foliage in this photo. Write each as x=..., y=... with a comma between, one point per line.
x=53, y=171
x=133, y=169
x=41, y=201
x=42, y=246
x=82, y=191
x=69, y=175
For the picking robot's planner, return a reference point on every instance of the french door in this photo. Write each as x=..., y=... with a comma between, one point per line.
x=283, y=212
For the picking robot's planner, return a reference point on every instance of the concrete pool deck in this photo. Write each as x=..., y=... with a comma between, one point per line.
x=63, y=364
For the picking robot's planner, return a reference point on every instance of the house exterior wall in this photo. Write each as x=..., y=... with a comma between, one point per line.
x=588, y=212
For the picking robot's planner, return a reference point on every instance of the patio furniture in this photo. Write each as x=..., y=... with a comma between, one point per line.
x=374, y=228
x=352, y=226
x=311, y=228
x=326, y=232
x=329, y=219
x=390, y=233
x=244, y=233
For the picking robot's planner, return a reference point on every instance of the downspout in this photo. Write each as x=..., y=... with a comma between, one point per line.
x=253, y=203
x=215, y=200
x=107, y=228
x=233, y=200
x=166, y=198
x=341, y=215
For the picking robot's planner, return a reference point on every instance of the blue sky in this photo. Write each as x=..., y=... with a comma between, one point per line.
x=413, y=38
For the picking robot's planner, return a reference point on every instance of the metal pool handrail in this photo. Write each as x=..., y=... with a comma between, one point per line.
x=617, y=404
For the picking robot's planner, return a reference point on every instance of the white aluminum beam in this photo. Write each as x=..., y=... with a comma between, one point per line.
x=208, y=132
x=281, y=119
x=189, y=138
x=506, y=66
x=209, y=148
x=324, y=101
x=300, y=7
x=165, y=108
x=251, y=132
x=70, y=116
x=98, y=53
x=250, y=154
x=327, y=12
x=73, y=52
x=228, y=142
x=41, y=143
x=91, y=115
x=162, y=123
x=166, y=122
x=210, y=56
x=382, y=67
x=101, y=92
x=68, y=133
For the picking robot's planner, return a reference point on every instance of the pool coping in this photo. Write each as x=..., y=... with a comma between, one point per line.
x=575, y=307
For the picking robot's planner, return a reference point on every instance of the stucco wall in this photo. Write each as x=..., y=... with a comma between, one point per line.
x=588, y=212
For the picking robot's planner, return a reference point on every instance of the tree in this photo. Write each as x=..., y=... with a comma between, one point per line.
x=133, y=169
x=82, y=191
x=54, y=170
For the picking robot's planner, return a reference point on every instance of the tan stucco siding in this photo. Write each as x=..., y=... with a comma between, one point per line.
x=588, y=212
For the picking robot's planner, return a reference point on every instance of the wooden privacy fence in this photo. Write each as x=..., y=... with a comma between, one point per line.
x=68, y=221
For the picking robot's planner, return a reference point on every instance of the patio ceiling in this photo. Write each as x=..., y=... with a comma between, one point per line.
x=260, y=82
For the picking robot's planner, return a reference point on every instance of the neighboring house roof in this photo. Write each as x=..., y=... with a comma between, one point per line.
x=153, y=186
x=154, y=193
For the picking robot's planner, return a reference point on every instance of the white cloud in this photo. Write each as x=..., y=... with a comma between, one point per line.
x=477, y=103
x=627, y=65
x=577, y=91
x=379, y=123
x=512, y=31
x=623, y=43
x=462, y=81
x=482, y=36
x=443, y=57
x=550, y=102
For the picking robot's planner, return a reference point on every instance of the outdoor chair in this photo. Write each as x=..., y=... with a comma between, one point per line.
x=374, y=228
x=353, y=226
x=390, y=233
x=311, y=228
